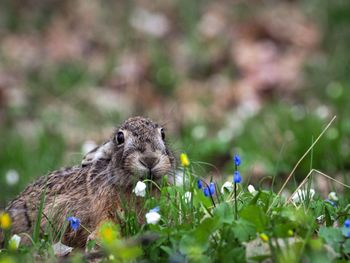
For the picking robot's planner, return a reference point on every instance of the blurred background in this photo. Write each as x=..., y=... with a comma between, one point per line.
x=258, y=78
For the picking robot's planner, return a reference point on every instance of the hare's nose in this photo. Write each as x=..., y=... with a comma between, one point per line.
x=149, y=161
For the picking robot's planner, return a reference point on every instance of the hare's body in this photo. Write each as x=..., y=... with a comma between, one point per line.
x=72, y=191
x=93, y=192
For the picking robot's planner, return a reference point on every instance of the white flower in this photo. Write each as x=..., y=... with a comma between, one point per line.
x=14, y=241
x=228, y=186
x=320, y=218
x=333, y=196
x=12, y=177
x=153, y=217
x=301, y=195
x=88, y=146
x=187, y=197
x=154, y=24
x=251, y=189
x=140, y=189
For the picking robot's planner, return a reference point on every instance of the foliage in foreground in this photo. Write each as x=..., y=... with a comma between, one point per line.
x=200, y=222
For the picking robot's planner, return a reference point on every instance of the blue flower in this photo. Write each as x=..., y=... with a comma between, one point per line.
x=237, y=160
x=210, y=190
x=199, y=184
x=74, y=222
x=237, y=177
x=347, y=223
x=156, y=209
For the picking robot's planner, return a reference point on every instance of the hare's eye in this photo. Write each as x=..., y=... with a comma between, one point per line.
x=162, y=133
x=120, y=137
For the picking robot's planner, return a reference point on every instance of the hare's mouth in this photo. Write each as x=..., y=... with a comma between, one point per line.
x=153, y=174
x=150, y=166
x=150, y=174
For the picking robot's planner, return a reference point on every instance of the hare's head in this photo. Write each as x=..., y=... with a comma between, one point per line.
x=139, y=151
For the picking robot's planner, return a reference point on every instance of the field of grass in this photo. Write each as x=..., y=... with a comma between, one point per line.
x=209, y=221
x=258, y=79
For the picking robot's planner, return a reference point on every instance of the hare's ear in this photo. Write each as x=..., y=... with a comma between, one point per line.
x=102, y=152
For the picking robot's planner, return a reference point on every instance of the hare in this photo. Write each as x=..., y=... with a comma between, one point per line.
x=137, y=150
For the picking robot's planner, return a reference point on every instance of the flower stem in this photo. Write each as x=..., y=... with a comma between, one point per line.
x=87, y=230
x=235, y=190
x=153, y=183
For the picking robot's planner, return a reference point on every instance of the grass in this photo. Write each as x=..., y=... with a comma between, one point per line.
x=46, y=148
x=222, y=226
x=273, y=140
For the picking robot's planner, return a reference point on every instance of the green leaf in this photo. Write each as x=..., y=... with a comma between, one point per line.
x=224, y=213
x=281, y=229
x=347, y=246
x=255, y=215
x=236, y=254
x=243, y=230
x=90, y=244
x=127, y=253
x=167, y=250
x=345, y=231
x=260, y=258
x=255, y=199
x=332, y=236
x=189, y=243
x=201, y=199
x=205, y=229
x=199, y=239
x=264, y=199
x=37, y=228
x=328, y=217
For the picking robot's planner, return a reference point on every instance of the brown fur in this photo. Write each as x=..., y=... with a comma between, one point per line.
x=92, y=192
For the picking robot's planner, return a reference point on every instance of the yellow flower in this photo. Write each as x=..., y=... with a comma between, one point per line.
x=290, y=232
x=264, y=237
x=184, y=160
x=108, y=232
x=5, y=221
